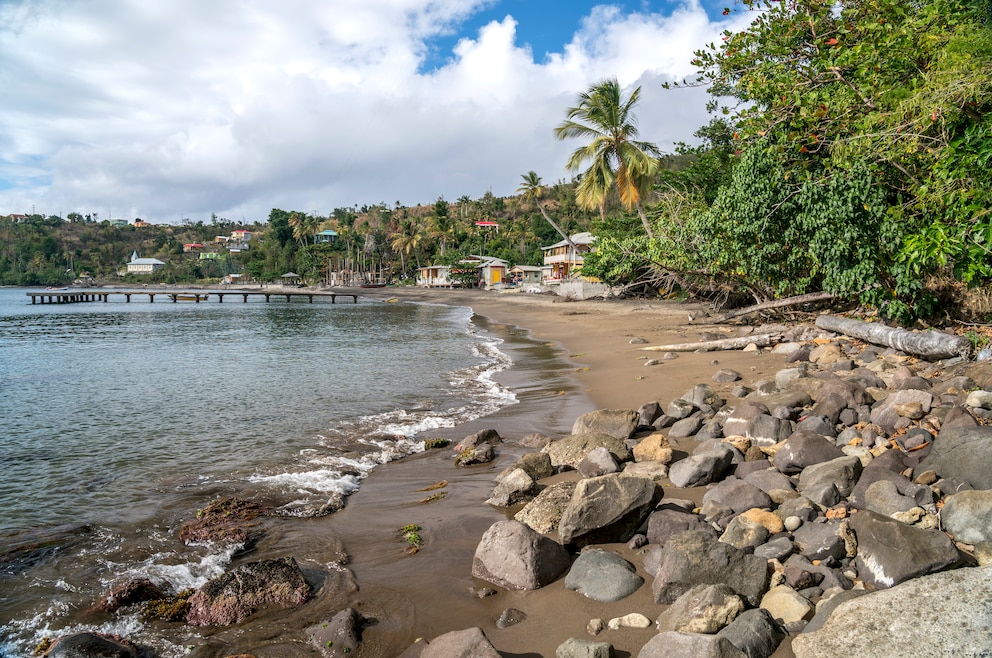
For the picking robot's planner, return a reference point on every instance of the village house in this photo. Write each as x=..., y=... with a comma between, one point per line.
x=327, y=236
x=143, y=265
x=562, y=262
x=434, y=276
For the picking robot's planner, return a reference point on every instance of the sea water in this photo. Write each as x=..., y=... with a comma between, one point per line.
x=116, y=418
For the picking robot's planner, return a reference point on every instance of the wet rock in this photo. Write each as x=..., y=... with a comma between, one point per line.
x=703, y=609
x=607, y=509
x=235, y=595
x=602, y=576
x=890, y=552
x=489, y=436
x=695, y=558
x=340, y=636
x=471, y=643
x=225, y=521
x=91, y=645
x=515, y=557
x=482, y=453
x=136, y=590
x=535, y=464
x=510, y=617
x=512, y=488
x=573, y=449
x=944, y=614
x=618, y=423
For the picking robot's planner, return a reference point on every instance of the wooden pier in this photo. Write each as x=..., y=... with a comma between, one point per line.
x=71, y=296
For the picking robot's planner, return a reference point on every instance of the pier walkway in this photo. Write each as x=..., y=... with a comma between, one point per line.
x=76, y=296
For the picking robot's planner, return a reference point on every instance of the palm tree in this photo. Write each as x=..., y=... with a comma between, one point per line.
x=532, y=190
x=616, y=158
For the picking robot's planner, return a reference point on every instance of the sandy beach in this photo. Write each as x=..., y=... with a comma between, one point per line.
x=430, y=593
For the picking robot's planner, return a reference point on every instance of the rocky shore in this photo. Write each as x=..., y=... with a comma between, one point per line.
x=838, y=504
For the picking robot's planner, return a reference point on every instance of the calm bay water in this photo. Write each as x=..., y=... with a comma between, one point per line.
x=114, y=415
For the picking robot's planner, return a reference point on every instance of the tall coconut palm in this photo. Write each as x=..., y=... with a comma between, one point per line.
x=532, y=190
x=616, y=158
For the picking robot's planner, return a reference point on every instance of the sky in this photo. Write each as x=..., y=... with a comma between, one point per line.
x=182, y=109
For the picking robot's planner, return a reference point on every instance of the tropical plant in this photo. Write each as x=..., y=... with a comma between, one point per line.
x=617, y=160
x=532, y=190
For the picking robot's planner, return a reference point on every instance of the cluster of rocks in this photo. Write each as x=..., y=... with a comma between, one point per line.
x=842, y=500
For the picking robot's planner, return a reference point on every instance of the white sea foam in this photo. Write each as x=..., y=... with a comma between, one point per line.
x=321, y=480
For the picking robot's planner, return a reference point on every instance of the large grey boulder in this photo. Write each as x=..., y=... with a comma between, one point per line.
x=842, y=472
x=968, y=516
x=817, y=541
x=607, y=509
x=890, y=552
x=737, y=495
x=963, y=453
x=703, y=468
x=804, y=449
x=598, y=462
x=945, y=614
x=573, y=449
x=703, y=609
x=618, y=423
x=238, y=593
x=489, y=436
x=543, y=514
x=696, y=558
x=468, y=643
x=697, y=645
x=514, y=556
x=666, y=523
x=535, y=464
x=602, y=576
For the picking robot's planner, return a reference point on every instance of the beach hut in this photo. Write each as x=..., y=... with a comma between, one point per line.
x=434, y=276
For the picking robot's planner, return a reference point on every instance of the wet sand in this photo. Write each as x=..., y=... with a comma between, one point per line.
x=428, y=594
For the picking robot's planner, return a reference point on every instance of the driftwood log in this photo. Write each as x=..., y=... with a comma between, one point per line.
x=931, y=344
x=777, y=303
x=761, y=340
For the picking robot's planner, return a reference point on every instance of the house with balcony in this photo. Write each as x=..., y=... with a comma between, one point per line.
x=562, y=261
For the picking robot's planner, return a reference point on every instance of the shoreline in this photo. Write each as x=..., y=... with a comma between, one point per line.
x=595, y=336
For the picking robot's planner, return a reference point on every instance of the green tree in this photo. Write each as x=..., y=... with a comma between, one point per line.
x=533, y=190
x=617, y=160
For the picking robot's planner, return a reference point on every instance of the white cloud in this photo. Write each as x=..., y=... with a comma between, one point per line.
x=162, y=110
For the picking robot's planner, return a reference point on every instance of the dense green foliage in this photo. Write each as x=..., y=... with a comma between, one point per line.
x=851, y=156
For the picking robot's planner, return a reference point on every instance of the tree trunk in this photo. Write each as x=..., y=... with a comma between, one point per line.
x=777, y=303
x=740, y=342
x=555, y=226
x=644, y=220
x=931, y=344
